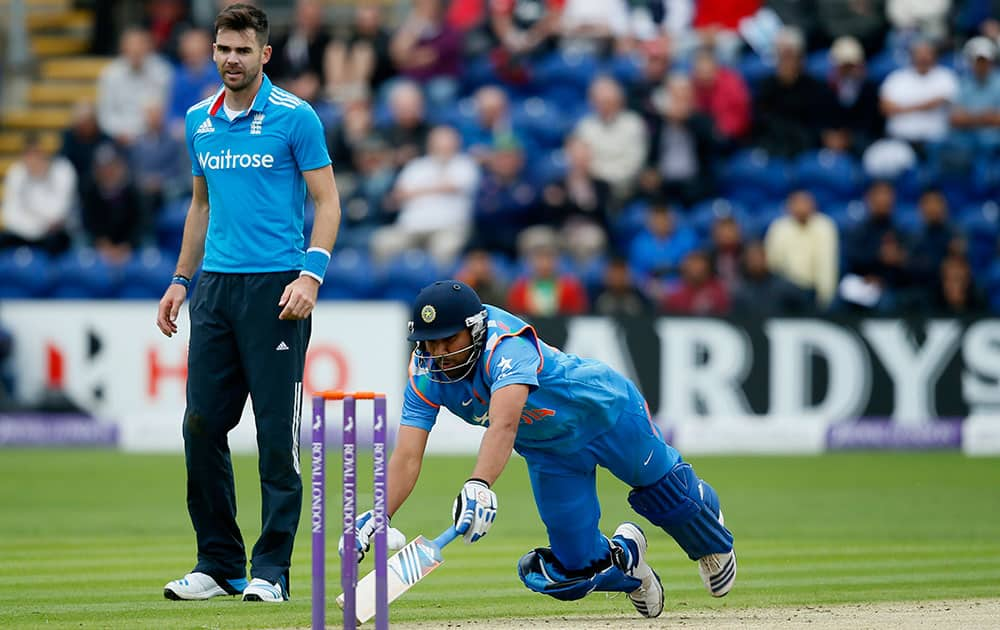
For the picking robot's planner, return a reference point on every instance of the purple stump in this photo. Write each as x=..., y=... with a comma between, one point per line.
x=318, y=501
x=381, y=526
x=349, y=560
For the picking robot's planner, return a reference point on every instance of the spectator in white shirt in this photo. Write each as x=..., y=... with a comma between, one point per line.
x=434, y=195
x=916, y=99
x=39, y=194
x=616, y=136
x=593, y=26
x=135, y=77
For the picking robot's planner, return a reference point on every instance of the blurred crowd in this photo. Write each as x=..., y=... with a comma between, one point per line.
x=619, y=157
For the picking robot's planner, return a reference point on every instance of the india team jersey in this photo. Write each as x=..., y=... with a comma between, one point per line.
x=571, y=399
x=253, y=167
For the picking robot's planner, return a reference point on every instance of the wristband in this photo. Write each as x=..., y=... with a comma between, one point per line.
x=184, y=281
x=316, y=263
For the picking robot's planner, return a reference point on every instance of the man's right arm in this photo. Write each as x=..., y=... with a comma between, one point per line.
x=404, y=465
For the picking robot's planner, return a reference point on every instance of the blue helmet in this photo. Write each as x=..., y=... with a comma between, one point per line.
x=441, y=310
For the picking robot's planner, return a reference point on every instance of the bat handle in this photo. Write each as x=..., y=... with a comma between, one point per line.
x=446, y=537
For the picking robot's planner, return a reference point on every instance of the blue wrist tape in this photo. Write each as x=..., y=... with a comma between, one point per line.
x=181, y=280
x=317, y=260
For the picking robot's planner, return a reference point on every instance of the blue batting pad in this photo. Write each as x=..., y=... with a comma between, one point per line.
x=687, y=508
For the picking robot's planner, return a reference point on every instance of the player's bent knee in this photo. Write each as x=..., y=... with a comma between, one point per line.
x=687, y=508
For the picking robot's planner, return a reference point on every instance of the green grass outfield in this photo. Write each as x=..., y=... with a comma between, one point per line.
x=88, y=538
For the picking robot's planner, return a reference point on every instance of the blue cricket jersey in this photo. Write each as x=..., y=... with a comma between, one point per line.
x=253, y=167
x=572, y=400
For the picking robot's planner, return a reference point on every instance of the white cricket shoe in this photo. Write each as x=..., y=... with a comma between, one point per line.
x=195, y=586
x=718, y=570
x=260, y=590
x=648, y=598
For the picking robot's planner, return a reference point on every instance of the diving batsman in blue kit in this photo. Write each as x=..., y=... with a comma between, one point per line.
x=566, y=416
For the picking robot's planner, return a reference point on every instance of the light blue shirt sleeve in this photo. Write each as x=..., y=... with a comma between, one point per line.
x=419, y=410
x=514, y=360
x=308, y=140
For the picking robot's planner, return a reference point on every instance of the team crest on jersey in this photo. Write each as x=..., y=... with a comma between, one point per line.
x=428, y=313
x=206, y=127
x=257, y=124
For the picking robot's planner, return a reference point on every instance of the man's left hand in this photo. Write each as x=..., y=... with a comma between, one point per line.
x=299, y=298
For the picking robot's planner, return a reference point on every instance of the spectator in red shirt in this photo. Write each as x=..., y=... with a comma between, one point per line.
x=722, y=94
x=543, y=290
x=699, y=291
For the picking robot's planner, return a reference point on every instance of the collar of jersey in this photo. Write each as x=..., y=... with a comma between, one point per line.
x=258, y=104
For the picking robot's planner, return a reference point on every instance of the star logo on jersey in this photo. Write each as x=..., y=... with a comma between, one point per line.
x=504, y=365
x=257, y=124
x=205, y=127
x=428, y=314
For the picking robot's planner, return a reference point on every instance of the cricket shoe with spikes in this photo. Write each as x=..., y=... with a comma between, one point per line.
x=260, y=590
x=198, y=586
x=718, y=570
x=648, y=598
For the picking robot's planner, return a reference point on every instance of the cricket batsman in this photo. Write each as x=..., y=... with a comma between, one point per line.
x=566, y=416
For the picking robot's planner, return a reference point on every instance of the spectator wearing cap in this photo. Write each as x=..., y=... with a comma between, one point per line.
x=615, y=135
x=543, y=290
x=857, y=119
x=803, y=245
x=434, y=195
x=111, y=206
x=507, y=201
x=39, y=193
x=791, y=108
x=975, y=116
x=916, y=99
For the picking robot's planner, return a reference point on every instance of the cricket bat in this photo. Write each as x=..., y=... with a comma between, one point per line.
x=406, y=567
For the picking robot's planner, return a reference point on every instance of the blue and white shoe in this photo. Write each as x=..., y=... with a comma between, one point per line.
x=260, y=590
x=648, y=598
x=197, y=586
x=718, y=570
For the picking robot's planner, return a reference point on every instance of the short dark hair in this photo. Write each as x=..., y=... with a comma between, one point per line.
x=240, y=17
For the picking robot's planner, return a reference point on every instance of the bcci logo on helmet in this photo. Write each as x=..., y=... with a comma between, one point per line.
x=428, y=314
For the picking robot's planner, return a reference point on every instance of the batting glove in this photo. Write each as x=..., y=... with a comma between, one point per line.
x=364, y=530
x=475, y=509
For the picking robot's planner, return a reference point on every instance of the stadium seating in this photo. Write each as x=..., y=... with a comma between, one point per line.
x=146, y=275
x=82, y=274
x=404, y=275
x=349, y=276
x=26, y=273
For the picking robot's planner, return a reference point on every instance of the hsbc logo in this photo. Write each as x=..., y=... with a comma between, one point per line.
x=225, y=160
